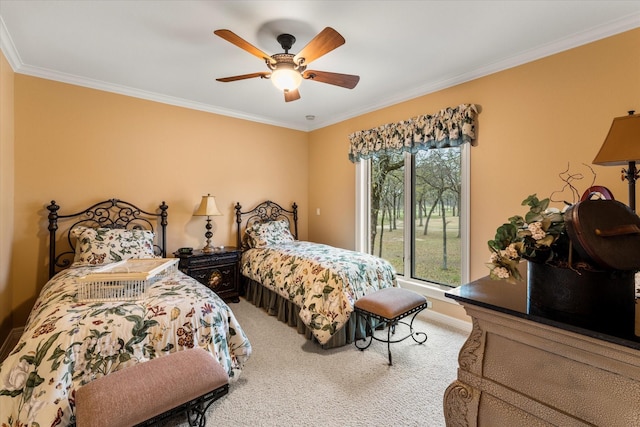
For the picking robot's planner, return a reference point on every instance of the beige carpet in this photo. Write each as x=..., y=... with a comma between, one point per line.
x=289, y=381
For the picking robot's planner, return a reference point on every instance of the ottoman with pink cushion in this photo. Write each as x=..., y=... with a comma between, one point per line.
x=186, y=381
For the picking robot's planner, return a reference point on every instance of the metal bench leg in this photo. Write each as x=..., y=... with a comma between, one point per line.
x=367, y=330
x=389, y=341
x=417, y=336
x=197, y=410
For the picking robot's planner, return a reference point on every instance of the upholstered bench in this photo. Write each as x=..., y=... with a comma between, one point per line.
x=388, y=306
x=186, y=381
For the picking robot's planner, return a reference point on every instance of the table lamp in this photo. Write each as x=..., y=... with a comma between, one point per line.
x=208, y=208
x=622, y=147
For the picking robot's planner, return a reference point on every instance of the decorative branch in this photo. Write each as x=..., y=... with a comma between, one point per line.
x=569, y=179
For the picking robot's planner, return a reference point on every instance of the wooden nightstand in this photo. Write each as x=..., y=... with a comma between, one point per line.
x=217, y=270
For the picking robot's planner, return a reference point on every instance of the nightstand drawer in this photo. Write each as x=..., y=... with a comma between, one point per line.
x=207, y=260
x=219, y=279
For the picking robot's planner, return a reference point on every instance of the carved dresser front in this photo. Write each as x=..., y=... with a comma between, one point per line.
x=520, y=369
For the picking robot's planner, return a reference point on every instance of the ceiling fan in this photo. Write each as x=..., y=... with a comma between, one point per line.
x=288, y=70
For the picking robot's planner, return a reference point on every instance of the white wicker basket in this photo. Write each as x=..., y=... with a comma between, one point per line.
x=124, y=280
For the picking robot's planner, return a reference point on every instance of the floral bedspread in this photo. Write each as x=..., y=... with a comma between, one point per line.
x=67, y=343
x=322, y=280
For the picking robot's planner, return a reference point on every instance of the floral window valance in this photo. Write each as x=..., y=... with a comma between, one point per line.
x=450, y=127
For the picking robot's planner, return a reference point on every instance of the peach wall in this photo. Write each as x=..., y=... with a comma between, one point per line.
x=535, y=120
x=78, y=146
x=332, y=188
x=6, y=192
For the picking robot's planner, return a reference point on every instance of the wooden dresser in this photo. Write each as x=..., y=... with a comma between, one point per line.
x=519, y=369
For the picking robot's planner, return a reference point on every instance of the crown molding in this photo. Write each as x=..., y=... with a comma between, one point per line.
x=8, y=48
x=142, y=94
x=606, y=30
x=594, y=34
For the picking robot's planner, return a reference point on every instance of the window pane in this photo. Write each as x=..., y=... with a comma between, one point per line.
x=436, y=242
x=387, y=232
x=431, y=181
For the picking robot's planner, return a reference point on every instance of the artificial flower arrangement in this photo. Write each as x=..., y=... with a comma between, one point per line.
x=539, y=236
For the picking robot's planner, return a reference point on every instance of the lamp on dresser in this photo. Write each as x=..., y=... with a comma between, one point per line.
x=208, y=208
x=622, y=147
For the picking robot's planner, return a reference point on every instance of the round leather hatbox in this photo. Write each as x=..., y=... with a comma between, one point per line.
x=605, y=232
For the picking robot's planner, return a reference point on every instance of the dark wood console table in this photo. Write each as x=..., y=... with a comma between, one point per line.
x=518, y=369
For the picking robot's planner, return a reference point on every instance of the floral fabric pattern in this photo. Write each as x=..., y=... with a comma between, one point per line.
x=96, y=246
x=67, y=344
x=450, y=127
x=269, y=233
x=322, y=280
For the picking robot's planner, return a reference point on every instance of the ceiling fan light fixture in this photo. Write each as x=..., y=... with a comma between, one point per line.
x=287, y=70
x=286, y=77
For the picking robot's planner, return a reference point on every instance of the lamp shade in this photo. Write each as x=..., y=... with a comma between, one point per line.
x=622, y=144
x=208, y=207
x=286, y=77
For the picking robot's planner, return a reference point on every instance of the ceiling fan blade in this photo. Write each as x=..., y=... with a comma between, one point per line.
x=291, y=95
x=327, y=40
x=232, y=37
x=263, y=74
x=348, y=81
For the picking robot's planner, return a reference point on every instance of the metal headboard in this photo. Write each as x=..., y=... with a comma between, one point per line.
x=112, y=213
x=264, y=212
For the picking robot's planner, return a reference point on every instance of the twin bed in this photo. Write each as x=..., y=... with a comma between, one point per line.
x=69, y=341
x=73, y=336
x=309, y=286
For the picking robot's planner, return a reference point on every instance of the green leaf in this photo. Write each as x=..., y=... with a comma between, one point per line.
x=33, y=381
x=137, y=320
x=115, y=256
x=42, y=351
x=29, y=359
x=517, y=221
x=505, y=235
x=57, y=353
x=139, y=330
x=327, y=289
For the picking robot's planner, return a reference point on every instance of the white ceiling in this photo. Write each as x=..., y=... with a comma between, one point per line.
x=166, y=50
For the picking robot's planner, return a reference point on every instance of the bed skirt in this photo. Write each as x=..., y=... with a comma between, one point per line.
x=287, y=312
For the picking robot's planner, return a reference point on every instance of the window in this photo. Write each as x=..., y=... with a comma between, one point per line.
x=413, y=211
